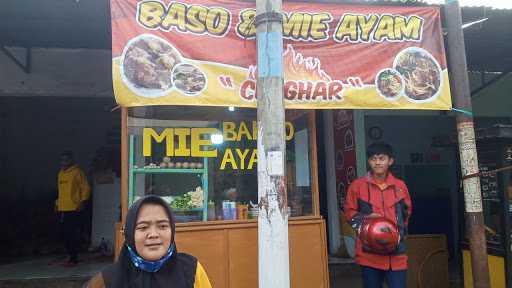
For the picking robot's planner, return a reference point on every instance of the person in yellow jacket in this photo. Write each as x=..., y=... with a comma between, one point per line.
x=149, y=257
x=74, y=191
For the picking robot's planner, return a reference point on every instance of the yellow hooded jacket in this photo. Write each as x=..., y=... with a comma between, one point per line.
x=73, y=189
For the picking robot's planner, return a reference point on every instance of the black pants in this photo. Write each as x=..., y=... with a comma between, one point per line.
x=71, y=223
x=374, y=278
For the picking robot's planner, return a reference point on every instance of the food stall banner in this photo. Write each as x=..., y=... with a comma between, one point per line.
x=203, y=53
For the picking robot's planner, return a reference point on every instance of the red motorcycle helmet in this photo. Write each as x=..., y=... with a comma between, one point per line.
x=379, y=235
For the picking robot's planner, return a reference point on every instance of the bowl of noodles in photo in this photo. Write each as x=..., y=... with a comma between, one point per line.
x=146, y=65
x=421, y=72
x=389, y=83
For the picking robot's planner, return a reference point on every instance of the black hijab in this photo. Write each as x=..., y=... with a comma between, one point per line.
x=177, y=272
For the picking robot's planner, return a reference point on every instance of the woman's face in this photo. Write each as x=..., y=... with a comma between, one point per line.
x=153, y=233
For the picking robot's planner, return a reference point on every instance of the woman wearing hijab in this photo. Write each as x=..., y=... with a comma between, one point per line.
x=149, y=257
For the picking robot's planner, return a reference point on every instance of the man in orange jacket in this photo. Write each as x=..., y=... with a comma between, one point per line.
x=74, y=191
x=380, y=193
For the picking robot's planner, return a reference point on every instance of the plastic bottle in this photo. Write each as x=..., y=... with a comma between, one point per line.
x=226, y=210
x=211, y=211
x=233, y=210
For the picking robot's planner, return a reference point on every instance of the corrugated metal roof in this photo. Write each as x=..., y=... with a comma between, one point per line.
x=86, y=24
x=488, y=44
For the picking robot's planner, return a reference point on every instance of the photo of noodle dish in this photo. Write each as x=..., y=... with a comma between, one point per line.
x=422, y=74
x=147, y=64
x=188, y=79
x=389, y=83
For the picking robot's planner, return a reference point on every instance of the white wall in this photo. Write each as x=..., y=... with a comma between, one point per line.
x=410, y=134
x=58, y=72
x=495, y=100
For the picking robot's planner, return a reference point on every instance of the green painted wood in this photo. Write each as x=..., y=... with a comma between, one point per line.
x=134, y=171
x=167, y=170
x=188, y=210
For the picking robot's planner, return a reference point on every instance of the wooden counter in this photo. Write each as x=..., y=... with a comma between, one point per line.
x=229, y=251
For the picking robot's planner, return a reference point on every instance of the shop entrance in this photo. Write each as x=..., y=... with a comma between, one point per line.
x=34, y=132
x=425, y=159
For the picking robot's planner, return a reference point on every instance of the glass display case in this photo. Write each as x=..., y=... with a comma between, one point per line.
x=203, y=161
x=187, y=205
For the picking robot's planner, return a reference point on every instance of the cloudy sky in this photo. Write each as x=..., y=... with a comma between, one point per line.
x=507, y=4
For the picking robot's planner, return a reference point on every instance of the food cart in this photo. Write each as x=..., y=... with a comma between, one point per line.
x=178, y=67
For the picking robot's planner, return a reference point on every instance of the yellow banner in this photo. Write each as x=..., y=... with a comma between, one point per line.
x=335, y=56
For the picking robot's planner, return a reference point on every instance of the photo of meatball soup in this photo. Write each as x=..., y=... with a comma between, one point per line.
x=148, y=63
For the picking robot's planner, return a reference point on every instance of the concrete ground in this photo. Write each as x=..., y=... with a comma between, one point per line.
x=47, y=272
x=344, y=273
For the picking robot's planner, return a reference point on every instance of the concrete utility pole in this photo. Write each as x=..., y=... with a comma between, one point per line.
x=467, y=146
x=273, y=205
